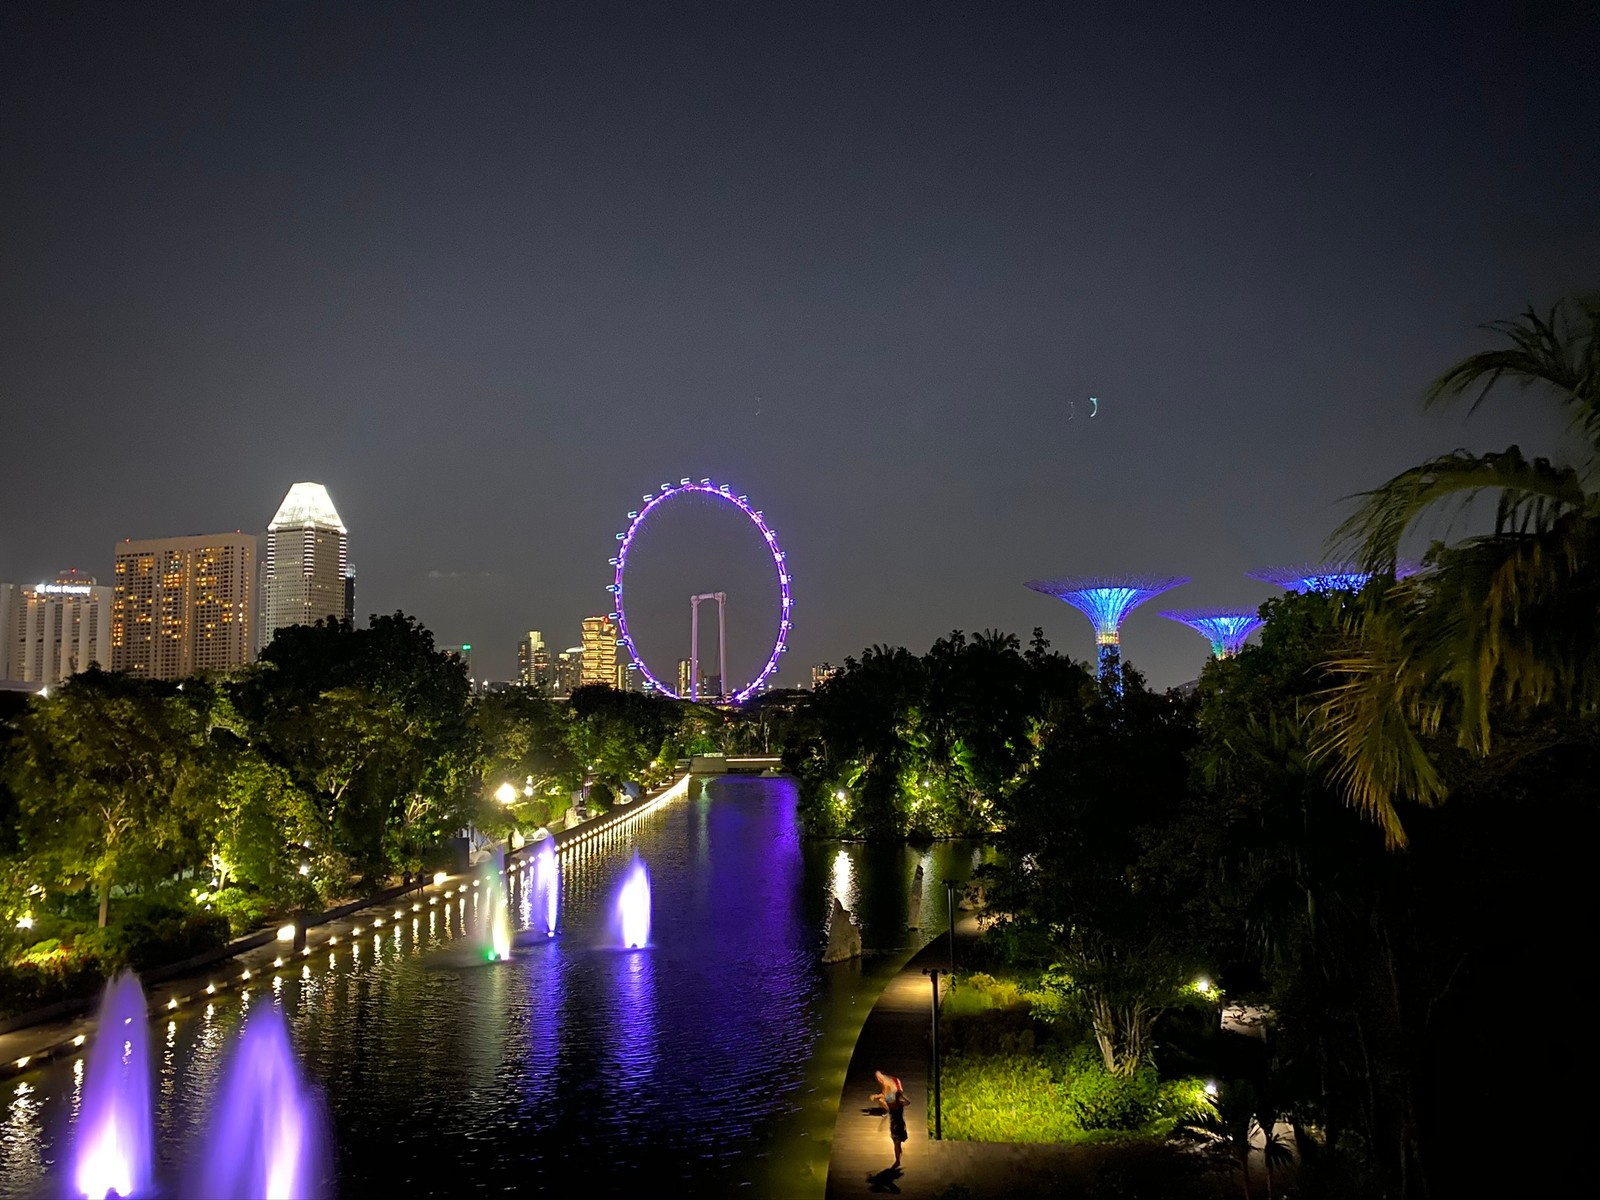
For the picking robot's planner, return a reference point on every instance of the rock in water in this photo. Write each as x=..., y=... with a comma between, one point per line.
x=844, y=936
x=915, y=921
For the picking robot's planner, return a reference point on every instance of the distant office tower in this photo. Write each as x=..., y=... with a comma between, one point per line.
x=307, y=576
x=568, y=670
x=183, y=605
x=350, y=594
x=533, y=661
x=599, y=651
x=821, y=673
x=625, y=671
x=685, y=676
x=50, y=631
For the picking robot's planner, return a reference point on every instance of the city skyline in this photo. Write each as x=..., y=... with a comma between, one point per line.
x=491, y=278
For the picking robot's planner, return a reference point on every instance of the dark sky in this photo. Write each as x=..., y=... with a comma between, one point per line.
x=491, y=272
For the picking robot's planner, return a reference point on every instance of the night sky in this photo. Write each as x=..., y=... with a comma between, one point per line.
x=491, y=272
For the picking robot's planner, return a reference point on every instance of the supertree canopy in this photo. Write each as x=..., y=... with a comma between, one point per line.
x=1225, y=628
x=1325, y=577
x=1107, y=600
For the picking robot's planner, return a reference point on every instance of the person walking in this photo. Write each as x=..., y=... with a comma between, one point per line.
x=893, y=1098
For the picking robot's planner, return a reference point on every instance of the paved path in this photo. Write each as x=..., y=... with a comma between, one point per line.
x=895, y=1040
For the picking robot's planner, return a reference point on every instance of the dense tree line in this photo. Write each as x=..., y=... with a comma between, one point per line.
x=134, y=814
x=1378, y=822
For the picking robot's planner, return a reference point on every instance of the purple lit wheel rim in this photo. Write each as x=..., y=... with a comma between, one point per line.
x=620, y=562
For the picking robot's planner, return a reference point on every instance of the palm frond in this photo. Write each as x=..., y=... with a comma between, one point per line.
x=1560, y=350
x=1533, y=495
x=1368, y=728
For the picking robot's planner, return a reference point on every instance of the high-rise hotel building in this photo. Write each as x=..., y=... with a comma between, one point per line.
x=306, y=577
x=599, y=651
x=50, y=631
x=183, y=605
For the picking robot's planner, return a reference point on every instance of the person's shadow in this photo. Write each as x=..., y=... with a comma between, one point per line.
x=884, y=1181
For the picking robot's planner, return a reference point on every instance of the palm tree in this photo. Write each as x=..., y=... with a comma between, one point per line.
x=1506, y=622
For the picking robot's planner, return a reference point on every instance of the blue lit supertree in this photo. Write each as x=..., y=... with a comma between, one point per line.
x=1107, y=600
x=1325, y=577
x=1225, y=628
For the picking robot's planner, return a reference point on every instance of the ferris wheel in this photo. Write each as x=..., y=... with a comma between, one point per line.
x=636, y=522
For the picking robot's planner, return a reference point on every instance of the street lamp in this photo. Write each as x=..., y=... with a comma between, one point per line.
x=950, y=886
x=933, y=974
x=506, y=793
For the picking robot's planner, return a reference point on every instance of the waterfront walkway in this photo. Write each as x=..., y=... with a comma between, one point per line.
x=256, y=960
x=895, y=1040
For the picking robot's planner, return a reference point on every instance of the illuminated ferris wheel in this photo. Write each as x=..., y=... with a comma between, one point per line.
x=636, y=522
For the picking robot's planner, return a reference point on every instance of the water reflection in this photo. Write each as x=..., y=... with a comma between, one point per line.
x=633, y=1049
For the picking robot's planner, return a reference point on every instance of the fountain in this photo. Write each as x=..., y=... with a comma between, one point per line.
x=495, y=929
x=633, y=908
x=546, y=886
x=114, y=1153
x=268, y=1136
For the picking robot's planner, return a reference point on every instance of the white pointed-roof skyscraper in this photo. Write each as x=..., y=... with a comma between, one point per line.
x=308, y=559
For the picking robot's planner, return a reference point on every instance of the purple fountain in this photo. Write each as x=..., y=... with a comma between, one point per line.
x=633, y=908
x=268, y=1134
x=546, y=887
x=114, y=1149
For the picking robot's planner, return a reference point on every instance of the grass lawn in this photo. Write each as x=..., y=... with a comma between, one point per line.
x=1012, y=1076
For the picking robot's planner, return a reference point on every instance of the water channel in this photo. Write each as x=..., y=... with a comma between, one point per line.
x=708, y=1063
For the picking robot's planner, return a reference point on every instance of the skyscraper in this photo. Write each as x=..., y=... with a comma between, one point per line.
x=568, y=670
x=685, y=676
x=183, y=605
x=599, y=651
x=306, y=577
x=49, y=631
x=533, y=661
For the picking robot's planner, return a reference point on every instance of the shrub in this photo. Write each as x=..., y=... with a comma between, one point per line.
x=45, y=977
x=245, y=911
x=599, y=798
x=1100, y=1100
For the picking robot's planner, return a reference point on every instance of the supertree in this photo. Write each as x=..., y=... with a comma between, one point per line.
x=1325, y=577
x=1225, y=628
x=1107, y=600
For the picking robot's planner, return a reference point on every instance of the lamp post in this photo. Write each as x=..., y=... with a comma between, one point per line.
x=933, y=974
x=950, y=886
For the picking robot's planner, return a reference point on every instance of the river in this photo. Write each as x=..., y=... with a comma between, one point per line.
x=708, y=1063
